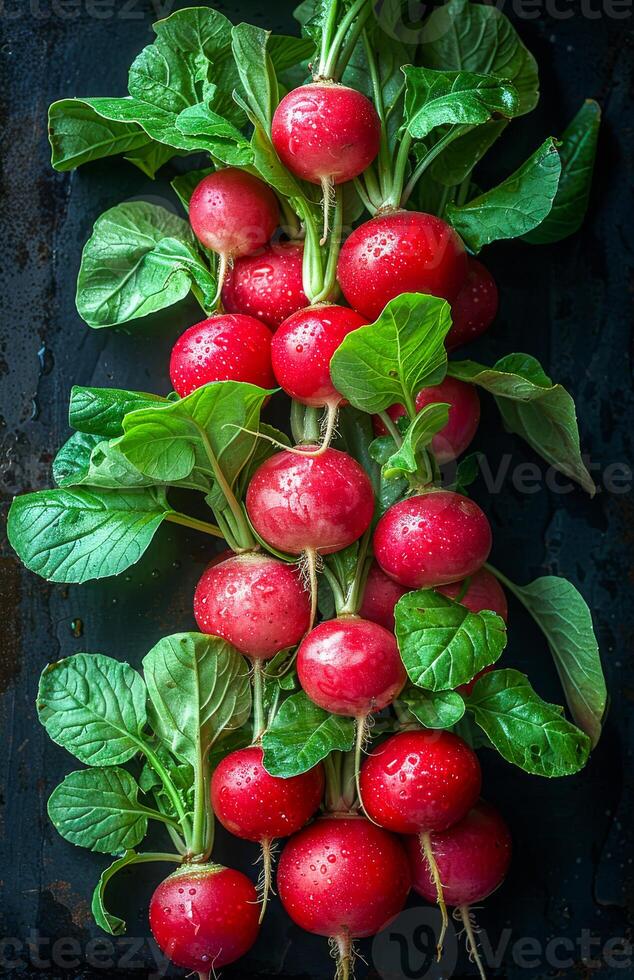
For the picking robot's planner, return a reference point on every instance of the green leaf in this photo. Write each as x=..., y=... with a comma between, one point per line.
x=440, y=98
x=479, y=38
x=139, y=259
x=443, y=644
x=78, y=134
x=99, y=809
x=86, y=460
x=564, y=618
x=68, y=535
x=458, y=159
x=534, y=408
x=389, y=361
x=150, y=158
x=259, y=82
x=578, y=149
x=525, y=730
x=110, y=923
x=355, y=436
x=100, y=411
x=199, y=688
x=515, y=206
x=221, y=138
x=302, y=734
x=73, y=459
x=429, y=421
x=434, y=709
x=94, y=707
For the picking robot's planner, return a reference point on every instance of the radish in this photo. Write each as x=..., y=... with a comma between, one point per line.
x=300, y=354
x=258, y=807
x=418, y=782
x=431, y=539
x=204, y=916
x=344, y=878
x=233, y=213
x=474, y=308
x=227, y=347
x=267, y=285
x=380, y=596
x=472, y=857
x=255, y=602
x=400, y=252
x=462, y=424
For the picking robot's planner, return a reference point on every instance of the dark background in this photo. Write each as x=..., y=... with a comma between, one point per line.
x=570, y=305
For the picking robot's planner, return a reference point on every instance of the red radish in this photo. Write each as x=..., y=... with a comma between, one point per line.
x=474, y=308
x=205, y=916
x=254, y=601
x=400, y=252
x=462, y=424
x=268, y=285
x=350, y=666
x=228, y=347
x=480, y=591
x=380, y=596
x=431, y=539
x=344, y=878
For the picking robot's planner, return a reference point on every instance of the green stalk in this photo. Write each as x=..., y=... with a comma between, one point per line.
x=169, y=787
x=367, y=203
x=393, y=199
x=259, y=724
x=326, y=37
x=355, y=594
x=201, y=805
x=341, y=48
x=332, y=768
x=186, y=521
x=337, y=591
x=391, y=427
x=330, y=278
x=429, y=157
x=313, y=274
x=385, y=155
x=244, y=536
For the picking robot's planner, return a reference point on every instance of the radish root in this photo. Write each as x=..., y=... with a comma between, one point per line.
x=265, y=881
x=428, y=851
x=310, y=564
x=328, y=191
x=466, y=916
x=342, y=949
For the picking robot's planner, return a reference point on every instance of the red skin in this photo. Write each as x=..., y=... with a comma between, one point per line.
x=473, y=858
x=256, y=806
x=228, y=347
x=326, y=131
x=402, y=252
x=268, y=285
x=474, y=308
x=302, y=348
x=462, y=425
x=233, y=213
x=320, y=503
x=255, y=602
x=380, y=596
x=205, y=916
x=420, y=781
x=432, y=539
x=342, y=876
x=350, y=666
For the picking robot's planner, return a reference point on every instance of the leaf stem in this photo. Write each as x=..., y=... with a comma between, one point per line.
x=332, y=767
x=355, y=593
x=326, y=37
x=186, y=521
x=429, y=157
x=330, y=277
x=341, y=48
x=243, y=532
x=259, y=724
x=170, y=789
x=391, y=427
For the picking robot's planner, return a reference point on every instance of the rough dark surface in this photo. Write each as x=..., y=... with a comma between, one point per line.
x=570, y=305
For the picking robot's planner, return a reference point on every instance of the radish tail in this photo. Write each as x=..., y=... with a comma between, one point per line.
x=328, y=190
x=425, y=842
x=344, y=957
x=311, y=567
x=472, y=945
x=267, y=877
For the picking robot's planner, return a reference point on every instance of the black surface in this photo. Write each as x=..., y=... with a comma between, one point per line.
x=570, y=305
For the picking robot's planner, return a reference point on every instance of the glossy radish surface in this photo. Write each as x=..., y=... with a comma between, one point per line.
x=474, y=308
x=302, y=348
x=343, y=876
x=473, y=857
x=326, y=131
x=233, y=213
x=432, y=539
x=256, y=806
x=321, y=503
x=204, y=916
x=401, y=252
x=254, y=601
x=350, y=666
x=379, y=598
x=267, y=285
x=227, y=347
x=420, y=781
x=462, y=424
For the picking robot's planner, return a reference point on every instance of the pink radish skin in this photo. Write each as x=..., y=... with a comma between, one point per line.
x=258, y=807
x=255, y=602
x=474, y=308
x=326, y=132
x=233, y=213
x=268, y=285
x=380, y=596
x=312, y=503
x=462, y=424
x=204, y=917
x=350, y=666
x=401, y=252
x=227, y=347
x=432, y=539
x=302, y=348
x=473, y=858
x=343, y=877
x=420, y=781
